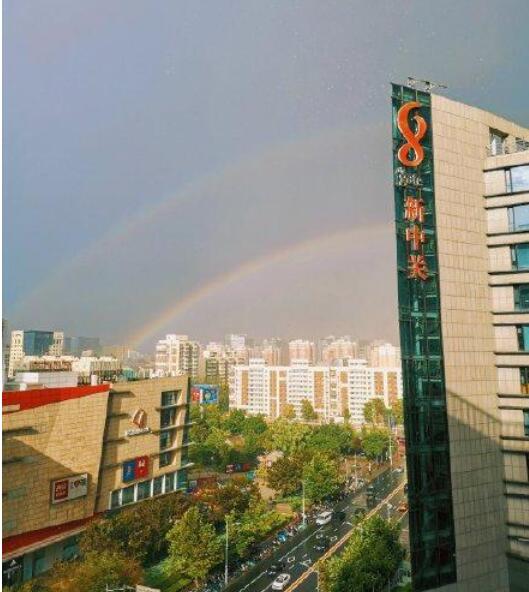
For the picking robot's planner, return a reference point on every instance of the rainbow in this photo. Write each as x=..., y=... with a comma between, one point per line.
x=246, y=269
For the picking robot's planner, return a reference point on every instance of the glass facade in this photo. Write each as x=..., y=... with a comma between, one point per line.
x=521, y=297
x=526, y=422
x=432, y=539
x=518, y=218
x=517, y=178
x=37, y=343
x=524, y=380
x=523, y=337
x=150, y=488
x=520, y=256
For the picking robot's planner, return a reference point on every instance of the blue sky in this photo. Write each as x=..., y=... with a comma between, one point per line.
x=151, y=147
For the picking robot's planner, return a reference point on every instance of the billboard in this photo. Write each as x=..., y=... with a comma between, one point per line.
x=69, y=488
x=136, y=468
x=206, y=394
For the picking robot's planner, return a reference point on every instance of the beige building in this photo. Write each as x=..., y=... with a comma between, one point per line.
x=300, y=349
x=334, y=392
x=73, y=452
x=463, y=236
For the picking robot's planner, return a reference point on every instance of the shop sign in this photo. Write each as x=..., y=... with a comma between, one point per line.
x=63, y=490
x=207, y=394
x=139, y=419
x=137, y=468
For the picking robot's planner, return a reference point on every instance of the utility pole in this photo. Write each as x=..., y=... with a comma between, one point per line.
x=303, y=504
x=226, y=560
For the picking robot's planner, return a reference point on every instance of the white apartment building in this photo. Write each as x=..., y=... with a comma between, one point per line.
x=337, y=349
x=384, y=355
x=333, y=391
x=176, y=355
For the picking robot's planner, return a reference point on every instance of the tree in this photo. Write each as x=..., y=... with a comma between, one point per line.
x=235, y=421
x=346, y=414
x=233, y=496
x=94, y=572
x=370, y=559
x=194, y=547
x=322, y=477
x=375, y=443
x=288, y=411
x=289, y=437
x=307, y=411
x=374, y=411
x=397, y=412
x=138, y=531
x=334, y=439
x=285, y=474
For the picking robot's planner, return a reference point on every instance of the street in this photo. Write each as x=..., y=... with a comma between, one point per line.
x=300, y=553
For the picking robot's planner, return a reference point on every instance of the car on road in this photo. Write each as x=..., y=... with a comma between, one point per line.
x=403, y=507
x=274, y=568
x=281, y=582
x=322, y=544
x=341, y=516
x=324, y=518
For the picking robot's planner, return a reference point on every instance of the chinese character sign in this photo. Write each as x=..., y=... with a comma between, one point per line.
x=136, y=468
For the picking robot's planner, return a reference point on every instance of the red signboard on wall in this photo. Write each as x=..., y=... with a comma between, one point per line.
x=141, y=468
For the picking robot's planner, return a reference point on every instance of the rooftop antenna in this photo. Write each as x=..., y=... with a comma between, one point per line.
x=427, y=85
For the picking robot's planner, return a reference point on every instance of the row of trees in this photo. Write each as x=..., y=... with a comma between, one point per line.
x=188, y=530
x=369, y=561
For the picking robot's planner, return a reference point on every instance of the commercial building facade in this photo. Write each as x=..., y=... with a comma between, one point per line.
x=461, y=180
x=72, y=453
x=335, y=393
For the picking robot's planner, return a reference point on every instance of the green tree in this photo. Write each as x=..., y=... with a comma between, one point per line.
x=234, y=422
x=375, y=443
x=334, y=439
x=285, y=474
x=138, y=531
x=194, y=547
x=255, y=425
x=322, y=477
x=397, y=412
x=346, y=414
x=307, y=411
x=370, y=559
x=287, y=436
x=94, y=572
x=288, y=411
x=374, y=411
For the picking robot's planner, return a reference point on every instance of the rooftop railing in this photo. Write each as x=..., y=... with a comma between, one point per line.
x=508, y=146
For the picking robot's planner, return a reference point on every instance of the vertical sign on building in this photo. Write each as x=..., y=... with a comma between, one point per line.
x=432, y=540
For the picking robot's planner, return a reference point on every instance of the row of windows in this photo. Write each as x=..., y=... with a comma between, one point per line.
x=146, y=489
x=517, y=178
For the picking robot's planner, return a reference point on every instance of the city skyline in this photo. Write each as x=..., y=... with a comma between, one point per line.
x=253, y=169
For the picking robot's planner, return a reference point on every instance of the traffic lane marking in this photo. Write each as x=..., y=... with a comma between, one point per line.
x=339, y=543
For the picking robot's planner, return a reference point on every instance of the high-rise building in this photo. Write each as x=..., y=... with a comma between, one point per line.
x=75, y=346
x=337, y=349
x=177, y=354
x=6, y=346
x=335, y=392
x=300, y=349
x=235, y=341
x=461, y=183
x=33, y=343
x=382, y=354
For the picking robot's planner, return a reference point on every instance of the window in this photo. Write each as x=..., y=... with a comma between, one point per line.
x=144, y=490
x=170, y=484
x=518, y=218
x=526, y=422
x=165, y=440
x=521, y=297
x=39, y=561
x=168, y=417
x=115, y=502
x=166, y=458
x=497, y=142
x=517, y=178
x=520, y=256
x=527, y=464
x=69, y=549
x=523, y=337
x=524, y=380
x=127, y=495
x=169, y=398
x=157, y=486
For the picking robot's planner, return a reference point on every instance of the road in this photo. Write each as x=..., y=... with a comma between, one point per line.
x=299, y=553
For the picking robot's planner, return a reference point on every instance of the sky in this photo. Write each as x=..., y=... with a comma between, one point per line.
x=223, y=166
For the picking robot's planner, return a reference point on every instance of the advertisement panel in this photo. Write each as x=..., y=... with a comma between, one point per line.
x=69, y=488
x=136, y=468
x=206, y=394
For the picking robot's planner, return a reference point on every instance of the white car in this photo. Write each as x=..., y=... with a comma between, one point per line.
x=281, y=582
x=323, y=518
